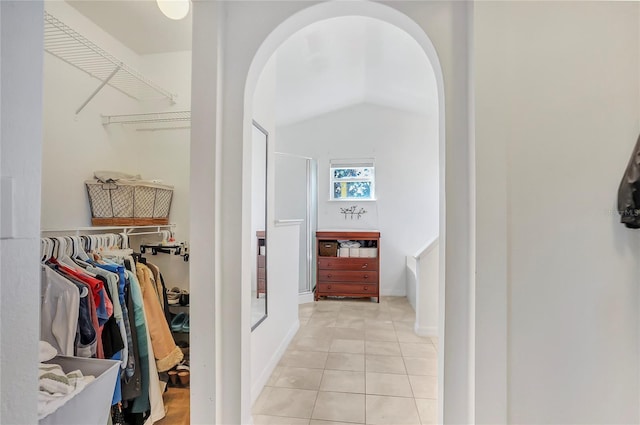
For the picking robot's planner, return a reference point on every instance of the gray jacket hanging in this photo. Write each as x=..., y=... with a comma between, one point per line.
x=629, y=191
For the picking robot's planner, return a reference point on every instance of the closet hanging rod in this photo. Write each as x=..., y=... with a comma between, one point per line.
x=70, y=46
x=181, y=127
x=148, y=118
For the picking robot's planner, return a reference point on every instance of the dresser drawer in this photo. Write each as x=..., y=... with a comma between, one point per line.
x=354, y=264
x=348, y=289
x=261, y=273
x=347, y=276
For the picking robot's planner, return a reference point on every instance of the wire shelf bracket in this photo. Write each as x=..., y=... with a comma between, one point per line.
x=70, y=46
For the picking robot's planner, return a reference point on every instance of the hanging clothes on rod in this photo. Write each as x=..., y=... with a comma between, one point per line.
x=98, y=300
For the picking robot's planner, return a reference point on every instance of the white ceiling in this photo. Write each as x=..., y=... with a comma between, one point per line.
x=344, y=61
x=138, y=24
x=326, y=66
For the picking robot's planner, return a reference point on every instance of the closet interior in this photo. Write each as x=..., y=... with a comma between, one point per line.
x=115, y=216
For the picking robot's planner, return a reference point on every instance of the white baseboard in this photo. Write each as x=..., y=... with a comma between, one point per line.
x=273, y=362
x=425, y=330
x=395, y=293
x=305, y=298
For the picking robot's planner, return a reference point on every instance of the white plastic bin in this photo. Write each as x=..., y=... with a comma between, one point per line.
x=354, y=252
x=92, y=405
x=343, y=252
x=369, y=252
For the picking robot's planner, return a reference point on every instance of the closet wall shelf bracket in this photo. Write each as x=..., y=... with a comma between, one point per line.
x=128, y=230
x=70, y=46
x=97, y=90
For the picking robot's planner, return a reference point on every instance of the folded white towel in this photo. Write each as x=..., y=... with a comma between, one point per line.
x=114, y=176
x=47, y=352
x=54, y=381
x=57, y=387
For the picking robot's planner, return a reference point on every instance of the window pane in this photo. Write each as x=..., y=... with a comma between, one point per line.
x=352, y=190
x=352, y=173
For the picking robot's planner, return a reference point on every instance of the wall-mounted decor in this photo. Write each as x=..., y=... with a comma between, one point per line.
x=353, y=211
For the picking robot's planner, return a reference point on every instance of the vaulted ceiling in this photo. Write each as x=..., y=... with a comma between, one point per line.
x=344, y=61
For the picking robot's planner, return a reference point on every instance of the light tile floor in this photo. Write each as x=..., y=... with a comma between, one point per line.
x=353, y=362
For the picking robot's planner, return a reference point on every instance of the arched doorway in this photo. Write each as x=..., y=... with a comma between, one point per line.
x=389, y=16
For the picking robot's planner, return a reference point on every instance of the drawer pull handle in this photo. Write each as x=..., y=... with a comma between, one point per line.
x=364, y=266
x=366, y=276
x=328, y=276
x=366, y=288
x=328, y=286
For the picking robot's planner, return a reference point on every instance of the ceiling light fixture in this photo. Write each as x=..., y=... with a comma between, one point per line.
x=174, y=9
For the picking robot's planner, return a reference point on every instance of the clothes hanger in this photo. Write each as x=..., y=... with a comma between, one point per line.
x=63, y=255
x=44, y=249
x=125, y=240
x=71, y=249
x=50, y=248
x=79, y=251
x=54, y=248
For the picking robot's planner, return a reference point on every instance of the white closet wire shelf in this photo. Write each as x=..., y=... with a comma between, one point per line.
x=65, y=43
x=165, y=120
x=128, y=230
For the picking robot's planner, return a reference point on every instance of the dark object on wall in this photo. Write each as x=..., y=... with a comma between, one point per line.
x=629, y=191
x=353, y=211
x=166, y=249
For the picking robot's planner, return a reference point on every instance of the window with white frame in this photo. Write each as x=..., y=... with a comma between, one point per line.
x=352, y=180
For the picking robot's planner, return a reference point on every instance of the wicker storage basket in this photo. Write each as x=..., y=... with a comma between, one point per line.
x=129, y=203
x=328, y=249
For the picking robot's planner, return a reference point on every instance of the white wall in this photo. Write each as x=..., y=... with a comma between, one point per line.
x=270, y=339
x=405, y=148
x=207, y=397
x=557, y=117
x=21, y=35
x=428, y=278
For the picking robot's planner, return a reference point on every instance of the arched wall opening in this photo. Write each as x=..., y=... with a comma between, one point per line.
x=268, y=49
x=343, y=88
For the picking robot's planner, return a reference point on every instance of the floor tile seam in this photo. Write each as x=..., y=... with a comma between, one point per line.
x=315, y=402
x=389, y=395
x=365, y=388
x=394, y=396
x=342, y=391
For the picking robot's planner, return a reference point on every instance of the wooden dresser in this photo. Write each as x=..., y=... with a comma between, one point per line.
x=348, y=276
x=261, y=266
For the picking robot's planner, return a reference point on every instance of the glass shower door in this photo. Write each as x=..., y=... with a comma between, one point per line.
x=296, y=199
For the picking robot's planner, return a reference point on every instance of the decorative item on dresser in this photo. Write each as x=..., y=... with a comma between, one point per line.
x=355, y=275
